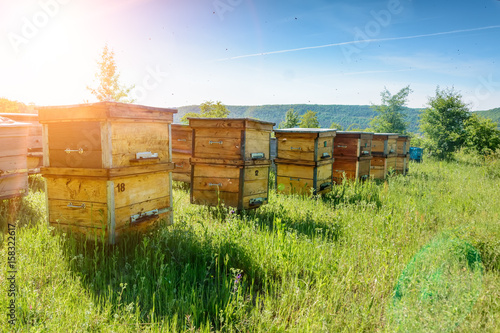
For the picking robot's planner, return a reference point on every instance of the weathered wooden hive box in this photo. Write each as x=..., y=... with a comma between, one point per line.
x=384, y=152
x=304, y=160
x=107, y=167
x=182, y=146
x=403, y=150
x=13, y=162
x=353, y=155
x=34, y=141
x=230, y=162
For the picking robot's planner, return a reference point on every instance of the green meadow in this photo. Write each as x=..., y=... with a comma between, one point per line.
x=415, y=253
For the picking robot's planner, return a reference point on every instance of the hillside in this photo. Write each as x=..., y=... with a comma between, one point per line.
x=359, y=116
x=356, y=116
x=493, y=114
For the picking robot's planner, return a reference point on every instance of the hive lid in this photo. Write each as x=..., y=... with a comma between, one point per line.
x=355, y=134
x=231, y=123
x=7, y=122
x=386, y=135
x=103, y=110
x=305, y=130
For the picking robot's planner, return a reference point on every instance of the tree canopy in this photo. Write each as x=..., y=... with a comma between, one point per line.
x=309, y=120
x=443, y=123
x=291, y=119
x=107, y=76
x=208, y=109
x=391, y=116
x=482, y=135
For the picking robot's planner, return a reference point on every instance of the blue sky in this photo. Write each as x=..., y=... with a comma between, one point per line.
x=252, y=51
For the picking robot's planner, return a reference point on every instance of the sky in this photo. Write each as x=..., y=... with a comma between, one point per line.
x=252, y=52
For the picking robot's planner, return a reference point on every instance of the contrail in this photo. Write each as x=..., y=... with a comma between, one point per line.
x=360, y=41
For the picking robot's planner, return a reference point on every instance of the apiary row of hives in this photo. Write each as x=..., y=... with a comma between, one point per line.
x=306, y=160
x=108, y=166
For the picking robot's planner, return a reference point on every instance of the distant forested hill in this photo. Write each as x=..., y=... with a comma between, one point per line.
x=357, y=116
x=493, y=114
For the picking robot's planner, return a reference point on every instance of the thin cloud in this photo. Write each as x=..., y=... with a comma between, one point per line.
x=360, y=41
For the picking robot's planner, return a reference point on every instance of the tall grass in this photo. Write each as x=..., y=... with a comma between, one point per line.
x=372, y=256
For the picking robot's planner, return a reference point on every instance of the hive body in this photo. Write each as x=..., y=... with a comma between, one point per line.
x=304, y=160
x=13, y=162
x=108, y=167
x=182, y=145
x=230, y=162
x=353, y=155
x=384, y=152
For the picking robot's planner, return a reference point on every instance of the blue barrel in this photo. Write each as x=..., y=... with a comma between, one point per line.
x=416, y=154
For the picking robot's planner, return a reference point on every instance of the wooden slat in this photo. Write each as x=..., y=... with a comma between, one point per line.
x=256, y=142
x=13, y=185
x=229, y=162
x=89, y=159
x=182, y=177
x=294, y=185
x=222, y=171
x=324, y=172
x=132, y=189
x=216, y=184
x=94, y=215
x=70, y=188
x=123, y=214
x=212, y=198
x=217, y=147
x=295, y=171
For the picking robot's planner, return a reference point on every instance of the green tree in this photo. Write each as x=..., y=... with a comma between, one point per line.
x=208, y=109
x=107, y=76
x=337, y=126
x=391, y=113
x=291, y=119
x=482, y=134
x=309, y=120
x=443, y=123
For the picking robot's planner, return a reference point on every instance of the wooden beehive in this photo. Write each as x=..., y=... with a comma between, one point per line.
x=34, y=140
x=384, y=152
x=13, y=161
x=230, y=162
x=182, y=145
x=107, y=167
x=403, y=150
x=353, y=155
x=304, y=160
x=239, y=186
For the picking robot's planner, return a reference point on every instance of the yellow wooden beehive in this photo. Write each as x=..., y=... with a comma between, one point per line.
x=34, y=140
x=13, y=162
x=182, y=147
x=384, y=152
x=353, y=155
x=107, y=167
x=403, y=154
x=304, y=160
x=230, y=162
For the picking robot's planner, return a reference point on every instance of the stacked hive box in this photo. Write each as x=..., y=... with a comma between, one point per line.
x=403, y=150
x=34, y=142
x=107, y=167
x=230, y=162
x=304, y=160
x=182, y=145
x=353, y=154
x=384, y=154
x=13, y=168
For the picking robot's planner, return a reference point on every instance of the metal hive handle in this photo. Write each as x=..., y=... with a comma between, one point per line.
x=212, y=184
x=70, y=205
x=219, y=142
x=79, y=151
